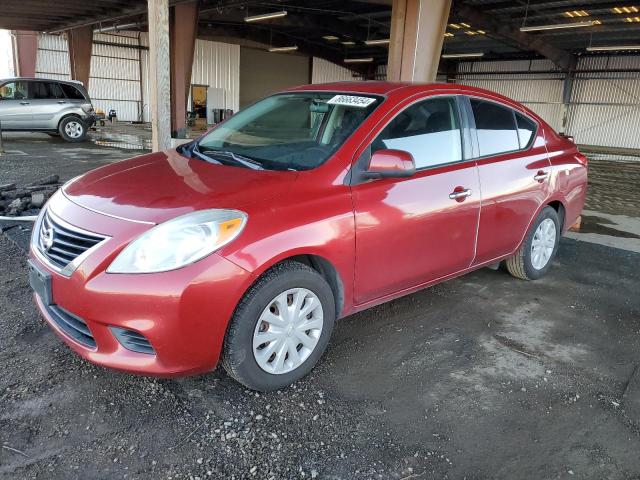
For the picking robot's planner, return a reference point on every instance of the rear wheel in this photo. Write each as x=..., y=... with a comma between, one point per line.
x=534, y=258
x=72, y=129
x=280, y=328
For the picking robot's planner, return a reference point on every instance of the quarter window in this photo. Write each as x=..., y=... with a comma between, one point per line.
x=526, y=129
x=13, y=91
x=495, y=126
x=428, y=130
x=72, y=92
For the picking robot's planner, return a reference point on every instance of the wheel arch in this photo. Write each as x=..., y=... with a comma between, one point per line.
x=320, y=264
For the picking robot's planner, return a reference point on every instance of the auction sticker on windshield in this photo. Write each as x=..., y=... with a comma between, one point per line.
x=351, y=101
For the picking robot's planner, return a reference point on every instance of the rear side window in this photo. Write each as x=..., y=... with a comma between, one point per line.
x=495, y=126
x=428, y=130
x=55, y=90
x=14, y=91
x=72, y=92
x=526, y=129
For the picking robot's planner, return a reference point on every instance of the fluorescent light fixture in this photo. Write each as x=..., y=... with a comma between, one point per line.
x=576, y=13
x=632, y=19
x=462, y=55
x=629, y=9
x=358, y=60
x=613, y=48
x=448, y=34
x=558, y=26
x=331, y=38
x=265, y=16
x=465, y=25
x=292, y=48
x=348, y=43
x=455, y=25
x=379, y=41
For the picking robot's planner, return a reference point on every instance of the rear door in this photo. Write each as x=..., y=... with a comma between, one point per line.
x=47, y=100
x=15, y=111
x=410, y=231
x=514, y=173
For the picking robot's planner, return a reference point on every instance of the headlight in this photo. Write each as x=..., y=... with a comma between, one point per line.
x=179, y=242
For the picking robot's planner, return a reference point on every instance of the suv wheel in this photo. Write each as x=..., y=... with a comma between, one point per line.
x=280, y=328
x=72, y=129
x=533, y=259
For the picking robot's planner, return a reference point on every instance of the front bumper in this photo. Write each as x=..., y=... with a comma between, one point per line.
x=182, y=313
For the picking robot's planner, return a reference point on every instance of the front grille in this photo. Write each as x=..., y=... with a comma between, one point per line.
x=72, y=325
x=134, y=341
x=62, y=243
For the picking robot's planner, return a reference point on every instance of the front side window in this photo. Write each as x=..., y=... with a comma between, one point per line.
x=428, y=130
x=296, y=131
x=14, y=91
x=495, y=126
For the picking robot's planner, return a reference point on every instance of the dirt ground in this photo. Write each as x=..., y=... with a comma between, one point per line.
x=484, y=376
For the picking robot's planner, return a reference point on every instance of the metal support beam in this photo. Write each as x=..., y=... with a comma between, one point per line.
x=80, y=41
x=159, y=66
x=25, y=51
x=567, y=88
x=417, y=29
x=515, y=37
x=184, y=29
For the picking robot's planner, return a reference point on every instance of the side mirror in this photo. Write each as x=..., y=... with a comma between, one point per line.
x=390, y=164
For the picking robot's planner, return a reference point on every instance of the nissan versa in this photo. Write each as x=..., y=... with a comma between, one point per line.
x=246, y=244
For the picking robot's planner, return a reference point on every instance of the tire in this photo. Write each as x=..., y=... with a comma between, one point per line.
x=72, y=129
x=239, y=357
x=526, y=264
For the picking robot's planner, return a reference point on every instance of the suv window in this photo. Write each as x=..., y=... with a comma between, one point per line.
x=72, y=92
x=13, y=91
x=495, y=126
x=526, y=129
x=38, y=91
x=428, y=130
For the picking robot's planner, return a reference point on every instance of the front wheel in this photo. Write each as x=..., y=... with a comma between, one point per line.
x=533, y=259
x=72, y=129
x=280, y=329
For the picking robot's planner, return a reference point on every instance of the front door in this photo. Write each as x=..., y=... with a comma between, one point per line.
x=15, y=111
x=414, y=230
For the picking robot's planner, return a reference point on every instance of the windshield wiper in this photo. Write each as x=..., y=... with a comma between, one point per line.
x=237, y=158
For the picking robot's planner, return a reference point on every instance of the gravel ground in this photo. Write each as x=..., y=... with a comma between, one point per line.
x=484, y=376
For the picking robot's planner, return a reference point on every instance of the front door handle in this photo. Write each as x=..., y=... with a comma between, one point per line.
x=62, y=101
x=541, y=176
x=460, y=194
x=24, y=103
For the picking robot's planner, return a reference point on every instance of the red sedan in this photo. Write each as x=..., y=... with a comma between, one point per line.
x=247, y=244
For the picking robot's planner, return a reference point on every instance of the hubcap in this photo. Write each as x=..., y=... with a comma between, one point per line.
x=544, y=241
x=287, y=331
x=73, y=129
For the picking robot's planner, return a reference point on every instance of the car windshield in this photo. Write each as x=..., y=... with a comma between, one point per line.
x=292, y=131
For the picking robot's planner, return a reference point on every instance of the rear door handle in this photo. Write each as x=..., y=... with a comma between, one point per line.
x=24, y=103
x=61, y=101
x=541, y=176
x=460, y=194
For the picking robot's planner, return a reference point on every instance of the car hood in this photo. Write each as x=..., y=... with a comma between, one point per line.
x=163, y=185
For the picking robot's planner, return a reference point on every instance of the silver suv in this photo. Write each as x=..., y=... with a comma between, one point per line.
x=40, y=105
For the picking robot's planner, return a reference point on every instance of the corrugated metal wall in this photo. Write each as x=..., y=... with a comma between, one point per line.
x=541, y=92
x=120, y=73
x=218, y=65
x=323, y=72
x=605, y=107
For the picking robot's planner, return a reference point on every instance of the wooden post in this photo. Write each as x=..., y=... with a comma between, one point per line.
x=80, y=41
x=183, y=32
x=417, y=33
x=159, y=68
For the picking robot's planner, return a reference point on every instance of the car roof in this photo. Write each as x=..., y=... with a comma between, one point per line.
x=371, y=87
x=71, y=82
